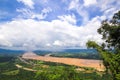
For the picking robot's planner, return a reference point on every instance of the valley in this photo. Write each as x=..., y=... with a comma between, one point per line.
x=50, y=66
x=96, y=64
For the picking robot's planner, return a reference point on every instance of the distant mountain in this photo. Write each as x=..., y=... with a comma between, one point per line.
x=80, y=50
x=7, y=51
x=69, y=51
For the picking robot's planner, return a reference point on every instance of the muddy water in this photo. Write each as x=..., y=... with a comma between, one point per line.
x=97, y=64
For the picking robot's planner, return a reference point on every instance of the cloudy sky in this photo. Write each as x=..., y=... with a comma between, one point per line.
x=52, y=24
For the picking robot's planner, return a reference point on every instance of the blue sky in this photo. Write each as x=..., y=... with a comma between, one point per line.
x=52, y=24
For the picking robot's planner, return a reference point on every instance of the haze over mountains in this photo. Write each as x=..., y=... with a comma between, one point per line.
x=47, y=51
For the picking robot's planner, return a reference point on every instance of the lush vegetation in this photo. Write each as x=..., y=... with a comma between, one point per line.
x=77, y=55
x=6, y=52
x=45, y=71
x=110, y=49
x=72, y=53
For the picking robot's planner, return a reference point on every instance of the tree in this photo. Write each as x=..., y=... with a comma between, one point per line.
x=110, y=49
x=110, y=31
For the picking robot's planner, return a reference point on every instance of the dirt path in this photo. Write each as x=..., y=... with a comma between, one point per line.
x=97, y=64
x=21, y=59
x=28, y=69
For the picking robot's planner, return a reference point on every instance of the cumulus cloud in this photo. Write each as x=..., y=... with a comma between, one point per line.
x=4, y=42
x=44, y=34
x=31, y=28
x=57, y=43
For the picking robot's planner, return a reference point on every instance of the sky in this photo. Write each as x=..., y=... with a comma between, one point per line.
x=52, y=24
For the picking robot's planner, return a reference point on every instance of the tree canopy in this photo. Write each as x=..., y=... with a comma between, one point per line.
x=110, y=31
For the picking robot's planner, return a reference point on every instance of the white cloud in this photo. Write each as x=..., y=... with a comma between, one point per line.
x=69, y=18
x=27, y=13
x=57, y=43
x=58, y=33
x=42, y=34
x=79, y=8
x=105, y=5
x=108, y=7
x=28, y=3
x=89, y=2
x=4, y=42
x=110, y=12
x=43, y=14
x=73, y=4
x=46, y=10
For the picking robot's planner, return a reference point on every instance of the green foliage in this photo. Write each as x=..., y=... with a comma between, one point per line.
x=5, y=58
x=92, y=44
x=91, y=55
x=55, y=71
x=13, y=72
x=66, y=73
x=110, y=31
